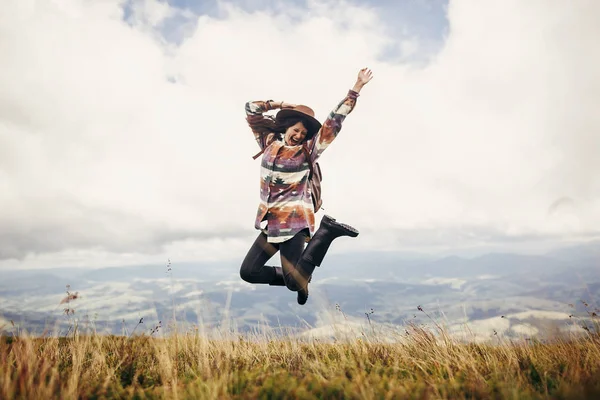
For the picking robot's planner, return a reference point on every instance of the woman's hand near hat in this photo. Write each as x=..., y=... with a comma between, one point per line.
x=279, y=104
x=287, y=105
x=364, y=76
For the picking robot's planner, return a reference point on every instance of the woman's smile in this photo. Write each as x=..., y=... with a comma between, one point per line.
x=295, y=134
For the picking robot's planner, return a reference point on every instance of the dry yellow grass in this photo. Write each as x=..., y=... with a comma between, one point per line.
x=419, y=365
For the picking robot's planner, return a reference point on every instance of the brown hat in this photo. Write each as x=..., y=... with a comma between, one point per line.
x=307, y=115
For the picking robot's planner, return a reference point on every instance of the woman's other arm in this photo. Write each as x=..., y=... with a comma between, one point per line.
x=260, y=123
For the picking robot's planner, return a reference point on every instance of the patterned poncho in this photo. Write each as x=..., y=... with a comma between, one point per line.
x=285, y=198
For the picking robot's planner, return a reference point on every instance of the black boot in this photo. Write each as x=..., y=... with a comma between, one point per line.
x=315, y=251
x=278, y=280
x=303, y=293
x=317, y=247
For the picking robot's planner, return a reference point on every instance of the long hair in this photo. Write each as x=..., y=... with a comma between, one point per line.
x=266, y=124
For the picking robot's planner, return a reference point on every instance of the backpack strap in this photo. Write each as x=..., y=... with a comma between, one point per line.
x=254, y=157
x=276, y=137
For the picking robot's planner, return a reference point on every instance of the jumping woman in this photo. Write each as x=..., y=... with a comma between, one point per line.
x=290, y=144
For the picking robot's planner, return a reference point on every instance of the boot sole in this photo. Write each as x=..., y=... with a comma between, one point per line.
x=328, y=218
x=351, y=231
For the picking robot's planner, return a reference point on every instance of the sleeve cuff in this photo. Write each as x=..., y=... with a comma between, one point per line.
x=353, y=94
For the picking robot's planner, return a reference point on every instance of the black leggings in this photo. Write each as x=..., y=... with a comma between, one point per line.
x=254, y=270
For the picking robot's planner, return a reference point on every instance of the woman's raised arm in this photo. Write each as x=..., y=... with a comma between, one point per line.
x=333, y=123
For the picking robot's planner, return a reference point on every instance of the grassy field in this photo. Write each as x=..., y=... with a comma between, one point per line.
x=417, y=365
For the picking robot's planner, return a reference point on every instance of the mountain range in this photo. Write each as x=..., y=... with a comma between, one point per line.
x=478, y=298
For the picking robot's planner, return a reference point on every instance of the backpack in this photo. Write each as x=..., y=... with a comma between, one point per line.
x=314, y=178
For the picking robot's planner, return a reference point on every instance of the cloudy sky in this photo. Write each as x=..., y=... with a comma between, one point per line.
x=123, y=139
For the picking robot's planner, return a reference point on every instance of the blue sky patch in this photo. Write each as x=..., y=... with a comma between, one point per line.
x=418, y=27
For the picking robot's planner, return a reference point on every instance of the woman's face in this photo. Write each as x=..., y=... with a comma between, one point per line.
x=295, y=134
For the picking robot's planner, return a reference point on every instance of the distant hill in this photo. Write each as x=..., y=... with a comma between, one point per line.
x=453, y=289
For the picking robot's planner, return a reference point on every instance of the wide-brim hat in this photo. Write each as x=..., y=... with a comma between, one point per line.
x=307, y=115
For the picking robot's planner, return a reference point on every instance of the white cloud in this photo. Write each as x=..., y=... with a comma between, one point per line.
x=525, y=330
x=104, y=160
x=151, y=12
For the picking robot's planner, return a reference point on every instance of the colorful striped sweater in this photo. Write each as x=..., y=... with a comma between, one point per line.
x=285, y=198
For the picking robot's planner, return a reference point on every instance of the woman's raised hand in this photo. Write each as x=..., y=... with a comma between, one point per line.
x=364, y=76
